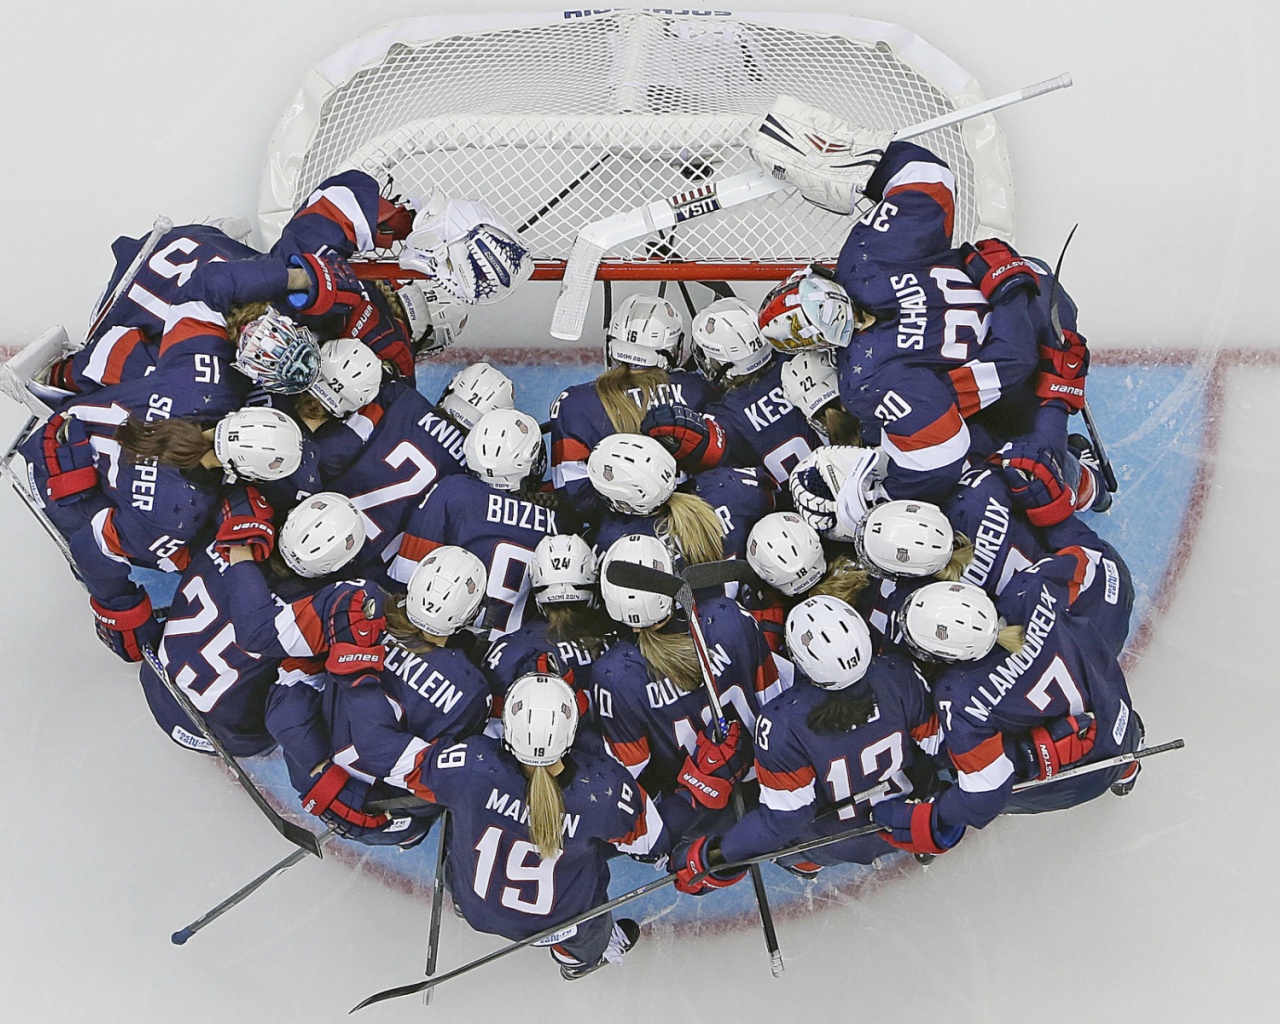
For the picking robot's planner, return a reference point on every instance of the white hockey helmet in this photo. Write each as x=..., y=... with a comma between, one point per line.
x=476, y=390
x=807, y=310
x=904, y=539
x=539, y=718
x=278, y=354
x=350, y=376
x=636, y=608
x=646, y=330
x=434, y=317
x=949, y=622
x=786, y=552
x=445, y=590
x=564, y=570
x=727, y=341
x=321, y=535
x=829, y=642
x=634, y=474
x=505, y=449
x=258, y=444
x=809, y=381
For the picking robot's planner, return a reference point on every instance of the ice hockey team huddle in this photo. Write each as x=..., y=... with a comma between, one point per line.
x=790, y=570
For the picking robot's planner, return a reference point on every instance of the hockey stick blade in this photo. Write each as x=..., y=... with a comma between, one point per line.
x=697, y=577
x=644, y=577
x=597, y=238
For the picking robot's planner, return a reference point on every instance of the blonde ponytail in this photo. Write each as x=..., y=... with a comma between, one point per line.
x=546, y=811
x=844, y=580
x=961, y=556
x=1011, y=638
x=613, y=387
x=694, y=527
x=671, y=655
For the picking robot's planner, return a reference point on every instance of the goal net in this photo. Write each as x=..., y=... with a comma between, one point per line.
x=557, y=120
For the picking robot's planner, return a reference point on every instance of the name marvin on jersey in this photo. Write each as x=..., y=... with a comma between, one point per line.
x=1006, y=674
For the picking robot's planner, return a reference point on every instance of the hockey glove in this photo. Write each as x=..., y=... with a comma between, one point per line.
x=696, y=442
x=469, y=250
x=912, y=827
x=353, y=626
x=384, y=334
x=333, y=283
x=1062, y=372
x=127, y=630
x=997, y=270
x=395, y=221
x=336, y=798
x=1036, y=482
x=770, y=612
x=244, y=518
x=68, y=458
x=709, y=774
x=1057, y=744
x=695, y=859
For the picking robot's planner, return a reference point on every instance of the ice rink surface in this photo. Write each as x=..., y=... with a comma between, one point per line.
x=1163, y=906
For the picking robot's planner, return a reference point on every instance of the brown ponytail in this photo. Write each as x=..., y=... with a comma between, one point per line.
x=574, y=622
x=841, y=426
x=546, y=811
x=173, y=442
x=613, y=387
x=839, y=712
x=240, y=316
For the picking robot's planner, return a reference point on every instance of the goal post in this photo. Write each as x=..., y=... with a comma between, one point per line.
x=557, y=120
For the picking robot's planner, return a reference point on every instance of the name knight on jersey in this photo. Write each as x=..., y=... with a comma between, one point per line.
x=526, y=515
x=449, y=436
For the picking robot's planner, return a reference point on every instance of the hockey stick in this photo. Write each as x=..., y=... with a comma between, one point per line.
x=595, y=239
x=107, y=302
x=563, y=194
x=303, y=838
x=1108, y=472
x=629, y=574
x=437, y=903
x=179, y=937
x=613, y=904
x=790, y=851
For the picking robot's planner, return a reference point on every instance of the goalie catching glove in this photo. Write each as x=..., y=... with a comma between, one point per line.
x=834, y=486
x=468, y=250
x=826, y=157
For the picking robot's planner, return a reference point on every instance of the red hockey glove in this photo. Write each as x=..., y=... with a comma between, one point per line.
x=998, y=271
x=1060, y=743
x=1036, y=482
x=126, y=631
x=770, y=613
x=708, y=776
x=353, y=625
x=911, y=827
x=333, y=283
x=244, y=518
x=384, y=334
x=336, y=798
x=68, y=459
x=695, y=860
x=395, y=221
x=697, y=442
x=1062, y=372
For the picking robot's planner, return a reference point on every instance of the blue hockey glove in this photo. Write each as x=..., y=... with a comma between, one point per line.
x=1037, y=482
x=696, y=442
x=336, y=798
x=127, y=630
x=68, y=460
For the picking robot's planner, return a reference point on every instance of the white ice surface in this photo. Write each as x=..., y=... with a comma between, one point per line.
x=1161, y=907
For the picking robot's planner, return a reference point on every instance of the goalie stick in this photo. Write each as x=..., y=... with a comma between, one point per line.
x=597, y=238
x=107, y=302
x=629, y=574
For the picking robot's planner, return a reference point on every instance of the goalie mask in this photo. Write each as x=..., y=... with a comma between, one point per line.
x=727, y=342
x=279, y=355
x=646, y=331
x=636, y=608
x=445, y=590
x=949, y=622
x=829, y=642
x=904, y=540
x=807, y=310
x=434, y=317
x=321, y=535
x=563, y=571
x=505, y=449
x=539, y=719
x=634, y=474
x=258, y=444
x=475, y=390
x=786, y=553
x=350, y=376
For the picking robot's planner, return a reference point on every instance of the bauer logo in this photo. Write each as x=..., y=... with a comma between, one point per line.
x=688, y=205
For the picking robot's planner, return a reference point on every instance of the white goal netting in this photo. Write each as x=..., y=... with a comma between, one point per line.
x=558, y=120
